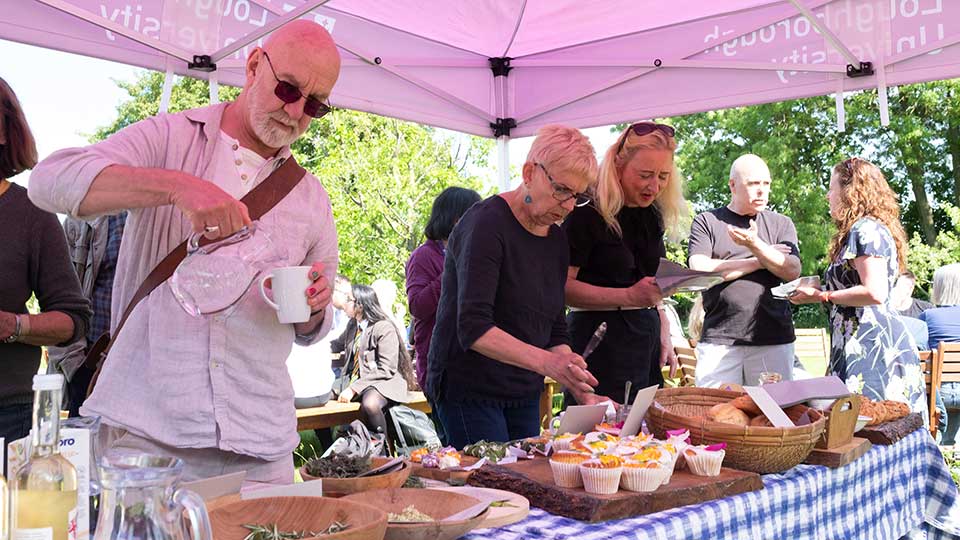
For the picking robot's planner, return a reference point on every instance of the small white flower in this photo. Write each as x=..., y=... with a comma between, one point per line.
x=895, y=389
x=853, y=348
x=855, y=383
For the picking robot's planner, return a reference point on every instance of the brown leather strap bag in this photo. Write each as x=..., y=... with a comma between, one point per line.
x=259, y=201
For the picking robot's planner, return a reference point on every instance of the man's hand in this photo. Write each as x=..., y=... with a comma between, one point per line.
x=346, y=396
x=570, y=370
x=211, y=210
x=319, y=292
x=744, y=237
x=645, y=293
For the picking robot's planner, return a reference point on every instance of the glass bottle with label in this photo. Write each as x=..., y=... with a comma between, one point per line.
x=43, y=491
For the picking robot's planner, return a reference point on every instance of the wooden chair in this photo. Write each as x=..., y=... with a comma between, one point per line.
x=813, y=349
x=687, y=358
x=947, y=358
x=931, y=379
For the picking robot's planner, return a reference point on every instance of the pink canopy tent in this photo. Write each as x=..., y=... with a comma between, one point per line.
x=501, y=68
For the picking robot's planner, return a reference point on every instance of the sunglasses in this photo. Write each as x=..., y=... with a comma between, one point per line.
x=645, y=128
x=563, y=194
x=289, y=93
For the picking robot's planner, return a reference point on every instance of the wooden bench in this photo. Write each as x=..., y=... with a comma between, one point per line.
x=334, y=413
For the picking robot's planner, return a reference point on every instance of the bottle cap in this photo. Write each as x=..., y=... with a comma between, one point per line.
x=48, y=382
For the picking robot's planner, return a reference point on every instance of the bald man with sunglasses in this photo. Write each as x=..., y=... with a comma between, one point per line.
x=212, y=390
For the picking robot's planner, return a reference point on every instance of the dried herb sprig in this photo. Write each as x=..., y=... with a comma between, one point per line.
x=336, y=466
x=272, y=532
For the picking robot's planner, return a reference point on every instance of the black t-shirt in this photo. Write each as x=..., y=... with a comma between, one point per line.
x=743, y=311
x=607, y=260
x=496, y=273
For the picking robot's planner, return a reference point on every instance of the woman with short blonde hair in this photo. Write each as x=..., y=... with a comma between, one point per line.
x=500, y=322
x=615, y=250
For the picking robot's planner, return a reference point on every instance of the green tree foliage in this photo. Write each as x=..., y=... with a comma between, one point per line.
x=382, y=174
x=800, y=142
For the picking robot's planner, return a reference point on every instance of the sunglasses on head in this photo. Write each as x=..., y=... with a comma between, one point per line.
x=645, y=128
x=289, y=93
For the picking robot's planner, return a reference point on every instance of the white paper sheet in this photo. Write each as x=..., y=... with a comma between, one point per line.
x=581, y=418
x=631, y=426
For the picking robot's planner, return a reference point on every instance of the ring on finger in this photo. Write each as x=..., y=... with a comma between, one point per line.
x=211, y=228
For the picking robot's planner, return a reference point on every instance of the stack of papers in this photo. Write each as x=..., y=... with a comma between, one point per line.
x=673, y=278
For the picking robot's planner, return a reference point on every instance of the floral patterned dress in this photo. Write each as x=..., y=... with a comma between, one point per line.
x=872, y=351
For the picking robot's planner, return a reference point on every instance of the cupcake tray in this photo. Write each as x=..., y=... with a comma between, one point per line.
x=534, y=480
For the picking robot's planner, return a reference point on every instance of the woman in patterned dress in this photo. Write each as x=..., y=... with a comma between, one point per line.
x=872, y=350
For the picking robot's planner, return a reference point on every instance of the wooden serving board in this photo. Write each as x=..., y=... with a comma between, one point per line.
x=840, y=455
x=534, y=480
x=441, y=474
x=514, y=507
x=893, y=431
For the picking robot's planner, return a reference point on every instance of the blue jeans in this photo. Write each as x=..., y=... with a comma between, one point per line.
x=466, y=422
x=949, y=398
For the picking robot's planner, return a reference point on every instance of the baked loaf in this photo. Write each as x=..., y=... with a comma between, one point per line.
x=747, y=405
x=728, y=414
x=882, y=411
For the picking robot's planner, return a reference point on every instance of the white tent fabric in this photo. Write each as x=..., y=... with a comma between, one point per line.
x=579, y=62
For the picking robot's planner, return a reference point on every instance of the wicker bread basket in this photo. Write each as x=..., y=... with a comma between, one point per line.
x=758, y=449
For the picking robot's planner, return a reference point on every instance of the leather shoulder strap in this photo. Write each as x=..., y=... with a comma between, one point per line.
x=259, y=201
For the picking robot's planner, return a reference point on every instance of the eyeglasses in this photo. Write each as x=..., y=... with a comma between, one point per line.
x=563, y=194
x=351, y=300
x=645, y=128
x=289, y=93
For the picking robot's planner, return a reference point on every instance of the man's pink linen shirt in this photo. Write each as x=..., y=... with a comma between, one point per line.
x=217, y=381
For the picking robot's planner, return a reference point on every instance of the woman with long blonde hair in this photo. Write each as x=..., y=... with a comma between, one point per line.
x=871, y=348
x=615, y=249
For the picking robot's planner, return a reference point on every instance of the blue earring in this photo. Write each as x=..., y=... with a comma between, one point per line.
x=528, y=199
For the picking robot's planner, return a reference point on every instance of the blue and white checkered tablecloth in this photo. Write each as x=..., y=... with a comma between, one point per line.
x=891, y=492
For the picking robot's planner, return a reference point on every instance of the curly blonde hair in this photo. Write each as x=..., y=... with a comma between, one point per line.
x=865, y=193
x=670, y=202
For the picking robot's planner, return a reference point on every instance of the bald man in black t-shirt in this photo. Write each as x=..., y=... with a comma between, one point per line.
x=746, y=331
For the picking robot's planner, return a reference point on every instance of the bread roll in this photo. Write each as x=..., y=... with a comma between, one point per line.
x=747, y=405
x=760, y=421
x=728, y=414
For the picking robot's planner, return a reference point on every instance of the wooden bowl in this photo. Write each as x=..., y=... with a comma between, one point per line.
x=435, y=503
x=298, y=514
x=338, y=487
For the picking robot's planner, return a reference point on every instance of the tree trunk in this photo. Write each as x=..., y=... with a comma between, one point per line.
x=923, y=205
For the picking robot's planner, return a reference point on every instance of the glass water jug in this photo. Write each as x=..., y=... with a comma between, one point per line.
x=140, y=500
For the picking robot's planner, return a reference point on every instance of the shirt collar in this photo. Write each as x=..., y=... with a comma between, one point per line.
x=211, y=117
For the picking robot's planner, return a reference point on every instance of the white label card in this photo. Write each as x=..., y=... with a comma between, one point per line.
x=631, y=426
x=44, y=533
x=581, y=418
x=769, y=407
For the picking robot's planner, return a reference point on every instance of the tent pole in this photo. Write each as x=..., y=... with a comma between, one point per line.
x=841, y=112
x=826, y=33
x=503, y=163
x=167, y=87
x=214, y=88
x=119, y=29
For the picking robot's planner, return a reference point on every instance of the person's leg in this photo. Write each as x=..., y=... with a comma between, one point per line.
x=468, y=422
x=757, y=359
x=950, y=393
x=372, y=404
x=718, y=364
x=77, y=389
x=524, y=420
x=437, y=423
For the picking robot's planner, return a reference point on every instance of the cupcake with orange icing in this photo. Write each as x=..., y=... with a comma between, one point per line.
x=566, y=468
x=601, y=476
x=609, y=429
x=705, y=460
x=643, y=475
x=562, y=442
x=595, y=443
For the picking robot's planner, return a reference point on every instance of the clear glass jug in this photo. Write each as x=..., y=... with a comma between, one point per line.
x=139, y=500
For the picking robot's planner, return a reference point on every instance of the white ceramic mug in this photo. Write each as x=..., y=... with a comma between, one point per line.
x=289, y=286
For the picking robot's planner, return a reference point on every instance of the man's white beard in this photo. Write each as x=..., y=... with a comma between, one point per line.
x=269, y=133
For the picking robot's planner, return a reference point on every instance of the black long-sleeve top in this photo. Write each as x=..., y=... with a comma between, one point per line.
x=496, y=273
x=34, y=260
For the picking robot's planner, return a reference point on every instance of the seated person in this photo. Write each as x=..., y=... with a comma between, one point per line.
x=901, y=296
x=380, y=370
x=943, y=325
